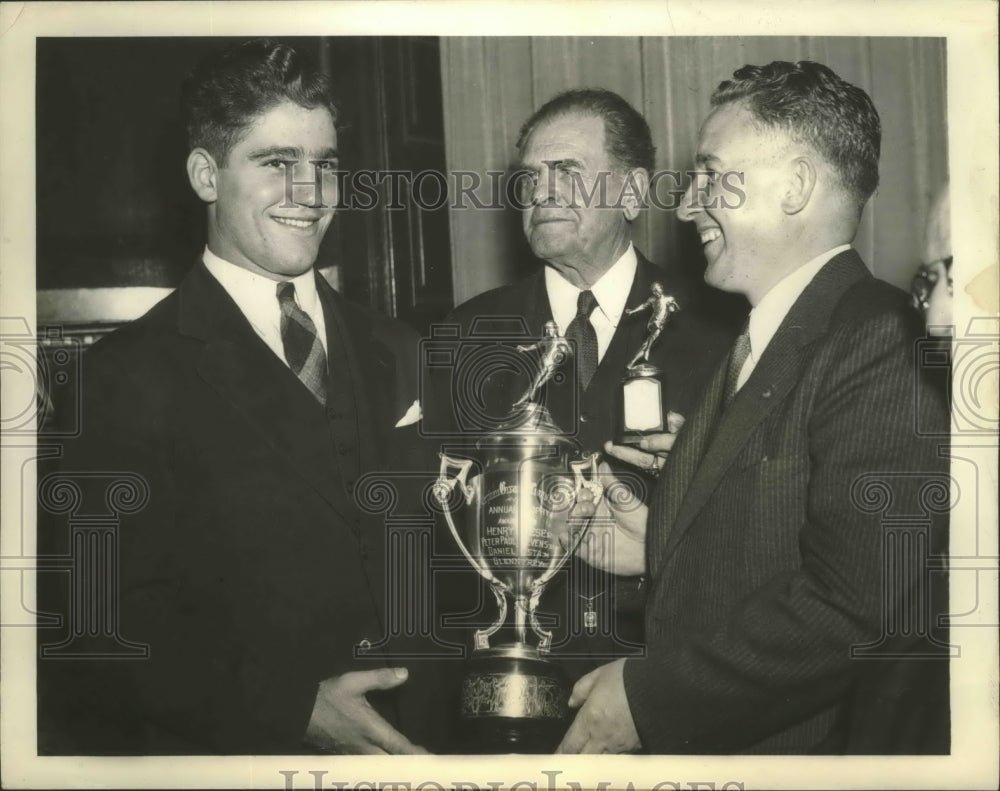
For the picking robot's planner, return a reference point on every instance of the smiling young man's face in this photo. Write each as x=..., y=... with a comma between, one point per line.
x=253, y=223
x=743, y=240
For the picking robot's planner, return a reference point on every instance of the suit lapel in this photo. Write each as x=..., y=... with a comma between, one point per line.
x=537, y=309
x=240, y=367
x=703, y=460
x=728, y=432
x=359, y=409
x=363, y=382
x=681, y=467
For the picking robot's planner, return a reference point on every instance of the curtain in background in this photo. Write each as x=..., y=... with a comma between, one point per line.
x=491, y=85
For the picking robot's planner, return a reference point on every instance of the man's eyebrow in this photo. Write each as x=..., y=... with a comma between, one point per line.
x=552, y=163
x=290, y=152
x=282, y=152
x=327, y=153
x=705, y=159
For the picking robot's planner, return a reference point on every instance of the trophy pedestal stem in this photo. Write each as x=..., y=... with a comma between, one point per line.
x=513, y=701
x=521, y=619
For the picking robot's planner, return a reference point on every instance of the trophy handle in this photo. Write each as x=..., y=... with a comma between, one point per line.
x=444, y=485
x=443, y=488
x=482, y=636
x=580, y=482
x=544, y=635
x=579, y=468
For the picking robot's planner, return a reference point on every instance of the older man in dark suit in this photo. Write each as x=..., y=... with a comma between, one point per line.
x=793, y=538
x=249, y=402
x=586, y=158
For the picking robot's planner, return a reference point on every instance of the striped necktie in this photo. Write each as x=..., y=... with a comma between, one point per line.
x=737, y=358
x=581, y=331
x=303, y=349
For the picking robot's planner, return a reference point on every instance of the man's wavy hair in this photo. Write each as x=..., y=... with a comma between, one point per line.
x=228, y=90
x=626, y=134
x=813, y=105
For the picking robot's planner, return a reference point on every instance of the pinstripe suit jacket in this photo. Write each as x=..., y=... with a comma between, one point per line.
x=770, y=546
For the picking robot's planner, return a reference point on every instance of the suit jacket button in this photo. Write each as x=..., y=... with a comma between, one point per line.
x=767, y=393
x=584, y=417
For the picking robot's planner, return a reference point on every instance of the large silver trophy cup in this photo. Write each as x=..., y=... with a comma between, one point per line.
x=507, y=507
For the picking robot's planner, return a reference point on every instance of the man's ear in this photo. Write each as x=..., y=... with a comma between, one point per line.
x=203, y=174
x=634, y=190
x=801, y=182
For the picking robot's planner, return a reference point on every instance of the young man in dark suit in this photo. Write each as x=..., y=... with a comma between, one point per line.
x=586, y=158
x=249, y=403
x=796, y=541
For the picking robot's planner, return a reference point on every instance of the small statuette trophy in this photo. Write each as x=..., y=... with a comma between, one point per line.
x=517, y=481
x=640, y=408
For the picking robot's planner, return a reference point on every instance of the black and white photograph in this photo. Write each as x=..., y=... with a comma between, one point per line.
x=480, y=395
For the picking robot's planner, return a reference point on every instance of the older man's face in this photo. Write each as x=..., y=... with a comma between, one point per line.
x=565, y=225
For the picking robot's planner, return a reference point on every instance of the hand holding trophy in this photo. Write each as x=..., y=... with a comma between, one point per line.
x=514, y=495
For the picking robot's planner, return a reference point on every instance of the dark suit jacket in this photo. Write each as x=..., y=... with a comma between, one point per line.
x=251, y=574
x=687, y=351
x=779, y=545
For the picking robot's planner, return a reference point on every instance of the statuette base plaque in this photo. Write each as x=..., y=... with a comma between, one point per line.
x=640, y=407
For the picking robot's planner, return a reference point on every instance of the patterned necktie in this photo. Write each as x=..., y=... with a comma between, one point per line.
x=303, y=349
x=738, y=356
x=581, y=331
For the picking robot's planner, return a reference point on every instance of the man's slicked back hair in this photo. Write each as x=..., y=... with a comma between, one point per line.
x=814, y=106
x=229, y=89
x=626, y=134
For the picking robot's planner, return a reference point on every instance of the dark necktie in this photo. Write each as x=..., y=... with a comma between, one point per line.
x=581, y=331
x=738, y=356
x=303, y=349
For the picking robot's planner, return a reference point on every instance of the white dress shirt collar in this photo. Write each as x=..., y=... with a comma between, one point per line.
x=611, y=292
x=768, y=314
x=256, y=297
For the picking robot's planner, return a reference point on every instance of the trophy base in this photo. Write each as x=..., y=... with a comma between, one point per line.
x=513, y=701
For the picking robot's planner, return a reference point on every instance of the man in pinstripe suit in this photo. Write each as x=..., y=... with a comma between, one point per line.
x=784, y=613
